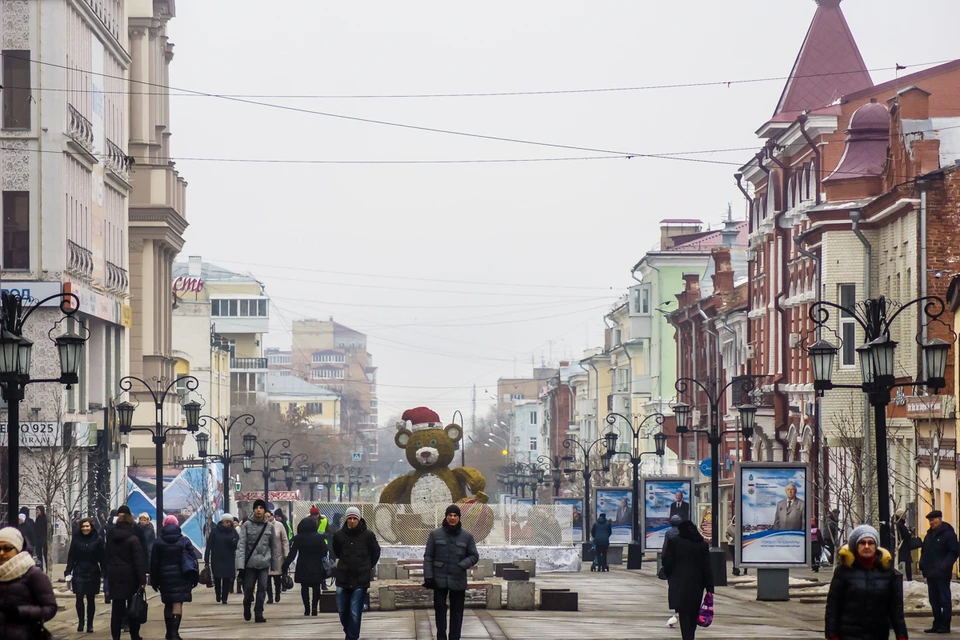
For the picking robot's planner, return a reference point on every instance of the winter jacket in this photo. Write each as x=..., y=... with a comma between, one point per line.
x=357, y=552
x=40, y=532
x=126, y=571
x=166, y=565
x=309, y=548
x=864, y=603
x=904, y=552
x=29, y=532
x=281, y=547
x=939, y=552
x=686, y=562
x=449, y=553
x=25, y=602
x=149, y=538
x=602, y=530
x=85, y=562
x=222, y=549
x=262, y=555
x=669, y=535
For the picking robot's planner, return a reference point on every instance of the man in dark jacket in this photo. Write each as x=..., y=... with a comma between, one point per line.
x=937, y=557
x=601, y=532
x=28, y=528
x=450, y=552
x=126, y=573
x=357, y=552
x=42, y=536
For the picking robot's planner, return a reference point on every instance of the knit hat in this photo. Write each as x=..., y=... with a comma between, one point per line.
x=352, y=511
x=314, y=511
x=675, y=519
x=124, y=509
x=278, y=513
x=226, y=517
x=22, y=517
x=259, y=503
x=452, y=509
x=860, y=532
x=12, y=536
x=171, y=519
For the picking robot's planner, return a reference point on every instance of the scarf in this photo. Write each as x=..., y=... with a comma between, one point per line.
x=16, y=566
x=867, y=564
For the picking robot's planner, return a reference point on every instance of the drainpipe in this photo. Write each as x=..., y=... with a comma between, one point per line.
x=750, y=266
x=802, y=119
x=856, y=216
x=596, y=386
x=923, y=185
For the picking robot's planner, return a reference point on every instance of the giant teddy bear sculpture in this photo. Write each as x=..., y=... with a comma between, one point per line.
x=430, y=449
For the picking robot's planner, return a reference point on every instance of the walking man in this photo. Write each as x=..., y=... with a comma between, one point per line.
x=450, y=552
x=254, y=555
x=357, y=553
x=937, y=557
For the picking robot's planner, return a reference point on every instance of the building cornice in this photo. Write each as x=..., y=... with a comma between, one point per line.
x=104, y=36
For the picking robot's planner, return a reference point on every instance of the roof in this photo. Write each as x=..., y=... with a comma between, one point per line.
x=865, y=153
x=681, y=221
x=293, y=386
x=212, y=273
x=828, y=66
x=709, y=239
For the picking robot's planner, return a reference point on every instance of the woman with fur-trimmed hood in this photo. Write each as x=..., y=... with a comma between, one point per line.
x=865, y=600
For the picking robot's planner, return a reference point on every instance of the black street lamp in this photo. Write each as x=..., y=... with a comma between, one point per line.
x=250, y=444
x=462, y=443
x=877, y=358
x=634, y=553
x=308, y=476
x=609, y=441
x=556, y=474
x=203, y=441
x=355, y=476
x=290, y=474
x=748, y=414
x=334, y=475
x=15, y=360
x=159, y=431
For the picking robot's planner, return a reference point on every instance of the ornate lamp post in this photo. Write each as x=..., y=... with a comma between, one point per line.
x=609, y=441
x=748, y=414
x=203, y=441
x=877, y=358
x=290, y=474
x=308, y=476
x=250, y=444
x=634, y=553
x=15, y=359
x=556, y=473
x=159, y=431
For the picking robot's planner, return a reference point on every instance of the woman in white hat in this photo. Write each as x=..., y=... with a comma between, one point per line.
x=26, y=595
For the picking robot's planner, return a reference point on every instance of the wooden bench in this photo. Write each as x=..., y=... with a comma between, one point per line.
x=388, y=595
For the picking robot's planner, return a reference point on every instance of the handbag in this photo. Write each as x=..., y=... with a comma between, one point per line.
x=137, y=611
x=328, y=565
x=287, y=582
x=705, y=618
x=42, y=633
x=189, y=566
x=915, y=543
x=205, y=579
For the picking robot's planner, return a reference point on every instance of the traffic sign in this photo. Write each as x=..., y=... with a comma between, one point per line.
x=357, y=456
x=705, y=466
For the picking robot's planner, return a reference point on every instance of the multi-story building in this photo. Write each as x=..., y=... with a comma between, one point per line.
x=559, y=410
x=527, y=417
x=66, y=184
x=592, y=394
x=240, y=313
x=280, y=361
x=297, y=399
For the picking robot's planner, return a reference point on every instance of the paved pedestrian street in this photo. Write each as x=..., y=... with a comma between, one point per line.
x=615, y=605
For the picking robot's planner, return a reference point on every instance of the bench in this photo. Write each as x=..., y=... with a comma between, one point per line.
x=388, y=595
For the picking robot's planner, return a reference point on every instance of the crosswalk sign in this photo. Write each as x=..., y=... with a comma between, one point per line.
x=357, y=456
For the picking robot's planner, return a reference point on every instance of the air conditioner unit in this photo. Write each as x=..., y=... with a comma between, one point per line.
x=751, y=352
x=794, y=340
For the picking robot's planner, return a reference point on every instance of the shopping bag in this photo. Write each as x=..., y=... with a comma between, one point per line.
x=706, y=611
x=137, y=612
x=205, y=578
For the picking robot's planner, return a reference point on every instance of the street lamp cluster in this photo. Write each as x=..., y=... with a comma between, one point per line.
x=203, y=442
x=609, y=441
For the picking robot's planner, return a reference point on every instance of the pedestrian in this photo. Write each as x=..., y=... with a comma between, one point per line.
x=126, y=573
x=731, y=536
x=904, y=551
x=104, y=525
x=280, y=550
x=833, y=533
x=167, y=575
x=357, y=552
x=282, y=519
x=239, y=583
x=686, y=562
x=309, y=548
x=145, y=525
x=450, y=552
x=26, y=595
x=937, y=557
x=669, y=535
x=139, y=532
x=320, y=519
x=601, y=532
x=85, y=566
x=75, y=523
x=865, y=600
x=42, y=535
x=254, y=555
x=816, y=545
x=222, y=551
x=26, y=527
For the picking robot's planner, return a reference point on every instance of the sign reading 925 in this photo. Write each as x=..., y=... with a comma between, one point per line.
x=35, y=434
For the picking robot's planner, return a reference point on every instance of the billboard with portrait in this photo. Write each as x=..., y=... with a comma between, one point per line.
x=773, y=514
x=576, y=505
x=662, y=498
x=617, y=504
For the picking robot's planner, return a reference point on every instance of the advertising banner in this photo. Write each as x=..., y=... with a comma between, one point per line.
x=662, y=498
x=616, y=503
x=773, y=509
x=35, y=434
x=577, y=519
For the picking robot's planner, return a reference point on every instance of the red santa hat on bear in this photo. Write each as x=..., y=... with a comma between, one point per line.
x=421, y=419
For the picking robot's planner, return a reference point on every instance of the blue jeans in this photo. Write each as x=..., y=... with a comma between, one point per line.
x=939, y=591
x=350, y=607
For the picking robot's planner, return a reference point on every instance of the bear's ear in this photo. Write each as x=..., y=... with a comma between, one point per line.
x=454, y=432
x=402, y=438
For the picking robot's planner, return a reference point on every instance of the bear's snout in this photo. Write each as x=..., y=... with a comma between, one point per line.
x=424, y=454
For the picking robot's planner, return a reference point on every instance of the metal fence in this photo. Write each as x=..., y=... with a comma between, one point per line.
x=491, y=525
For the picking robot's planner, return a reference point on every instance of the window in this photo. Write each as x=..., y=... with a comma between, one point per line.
x=373, y=404
x=533, y=444
x=16, y=89
x=328, y=357
x=284, y=372
x=533, y=417
x=848, y=325
x=232, y=304
x=16, y=229
x=314, y=408
x=516, y=396
x=326, y=373
x=232, y=348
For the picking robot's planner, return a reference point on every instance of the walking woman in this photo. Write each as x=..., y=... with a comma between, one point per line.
x=167, y=576
x=222, y=550
x=865, y=600
x=309, y=548
x=26, y=595
x=686, y=562
x=85, y=563
x=601, y=532
x=280, y=551
x=126, y=573
x=149, y=533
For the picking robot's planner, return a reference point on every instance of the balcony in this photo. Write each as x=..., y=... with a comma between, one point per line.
x=117, y=161
x=587, y=406
x=248, y=364
x=641, y=326
x=79, y=128
x=643, y=385
x=79, y=261
x=117, y=279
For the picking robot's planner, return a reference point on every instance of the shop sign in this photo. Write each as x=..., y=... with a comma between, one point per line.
x=187, y=284
x=35, y=434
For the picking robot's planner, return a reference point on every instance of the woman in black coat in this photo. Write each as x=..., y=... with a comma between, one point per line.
x=222, y=550
x=311, y=547
x=865, y=599
x=167, y=575
x=686, y=562
x=126, y=573
x=85, y=562
x=26, y=595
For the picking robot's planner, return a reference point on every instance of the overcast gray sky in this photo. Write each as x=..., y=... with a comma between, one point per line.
x=572, y=228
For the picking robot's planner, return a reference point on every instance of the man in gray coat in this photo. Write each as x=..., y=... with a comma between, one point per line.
x=254, y=555
x=450, y=552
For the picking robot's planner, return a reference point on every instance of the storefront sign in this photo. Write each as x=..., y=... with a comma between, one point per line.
x=33, y=292
x=929, y=407
x=275, y=496
x=35, y=434
x=94, y=304
x=191, y=285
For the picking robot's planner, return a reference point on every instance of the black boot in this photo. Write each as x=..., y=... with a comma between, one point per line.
x=166, y=626
x=246, y=612
x=175, y=621
x=80, y=625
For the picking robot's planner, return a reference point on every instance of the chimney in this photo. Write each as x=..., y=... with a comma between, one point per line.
x=730, y=233
x=722, y=270
x=914, y=103
x=926, y=155
x=673, y=227
x=564, y=363
x=195, y=266
x=691, y=290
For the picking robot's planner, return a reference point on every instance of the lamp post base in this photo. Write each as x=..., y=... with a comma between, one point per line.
x=634, y=556
x=718, y=562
